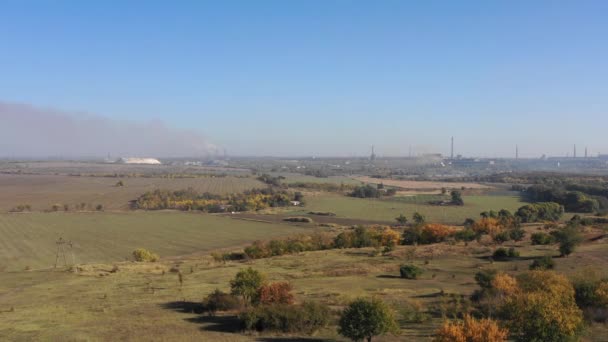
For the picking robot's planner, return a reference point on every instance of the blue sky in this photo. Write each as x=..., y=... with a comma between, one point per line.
x=323, y=77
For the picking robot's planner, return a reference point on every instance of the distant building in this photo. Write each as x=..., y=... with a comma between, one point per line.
x=295, y=203
x=147, y=161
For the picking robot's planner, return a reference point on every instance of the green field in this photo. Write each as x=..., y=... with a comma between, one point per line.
x=296, y=177
x=28, y=240
x=387, y=210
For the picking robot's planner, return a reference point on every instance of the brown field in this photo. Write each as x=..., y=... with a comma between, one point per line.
x=42, y=191
x=421, y=185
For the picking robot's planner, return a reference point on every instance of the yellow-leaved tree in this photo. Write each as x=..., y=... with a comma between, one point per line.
x=471, y=330
x=543, y=308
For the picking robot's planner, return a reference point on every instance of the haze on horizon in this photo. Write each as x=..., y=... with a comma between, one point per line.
x=302, y=78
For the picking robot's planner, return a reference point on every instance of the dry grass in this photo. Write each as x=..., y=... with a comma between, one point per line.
x=42, y=191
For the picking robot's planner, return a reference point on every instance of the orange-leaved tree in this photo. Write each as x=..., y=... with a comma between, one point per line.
x=471, y=330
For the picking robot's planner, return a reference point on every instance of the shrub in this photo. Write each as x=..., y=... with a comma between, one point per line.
x=410, y=271
x=298, y=219
x=257, y=250
x=434, y=233
x=144, y=255
x=21, y=208
x=471, y=330
x=502, y=254
x=364, y=319
x=411, y=235
x=413, y=312
x=517, y=234
x=99, y=207
x=307, y=317
x=484, y=278
x=544, y=263
x=487, y=225
x=466, y=234
x=591, y=291
x=221, y=301
x=246, y=284
x=275, y=293
x=501, y=237
x=321, y=213
x=541, y=239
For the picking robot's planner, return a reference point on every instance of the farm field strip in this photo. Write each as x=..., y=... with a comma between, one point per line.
x=387, y=210
x=42, y=191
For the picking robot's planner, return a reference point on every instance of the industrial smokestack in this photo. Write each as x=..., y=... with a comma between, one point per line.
x=452, y=149
x=516, y=152
x=574, y=151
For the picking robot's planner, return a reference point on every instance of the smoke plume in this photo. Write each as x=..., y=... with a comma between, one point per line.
x=27, y=131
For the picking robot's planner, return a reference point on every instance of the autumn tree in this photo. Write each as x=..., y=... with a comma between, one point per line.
x=543, y=308
x=471, y=330
x=275, y=293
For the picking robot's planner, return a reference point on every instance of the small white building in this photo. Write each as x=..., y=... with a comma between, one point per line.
x=295, y=203
x=146, y=161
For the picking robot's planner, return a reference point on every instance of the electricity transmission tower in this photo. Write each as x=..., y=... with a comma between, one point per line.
x=62, y=247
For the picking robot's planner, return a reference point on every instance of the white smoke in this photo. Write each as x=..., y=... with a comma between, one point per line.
x=27, y=131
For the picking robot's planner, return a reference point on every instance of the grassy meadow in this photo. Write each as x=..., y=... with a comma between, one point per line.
x=144, y=301
x=388, y=209
x=28, y=239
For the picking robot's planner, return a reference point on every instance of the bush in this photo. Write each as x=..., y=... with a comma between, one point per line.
x=502, y=254
x=221, y=301
x=21, y=208
x=434, y=233
x=410, y=271
x=484, y=278
x=364, y=319
x=307, y=317
x=298, y=219
x=466, y=234
x=541, y=239
x=144, y=255
x=275, y=293
x=321, y=213
x=544, y=263
x=501, y=237
x=517, y=234
x=471, y=330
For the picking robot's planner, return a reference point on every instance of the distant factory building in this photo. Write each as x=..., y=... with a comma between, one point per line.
x=147, y=161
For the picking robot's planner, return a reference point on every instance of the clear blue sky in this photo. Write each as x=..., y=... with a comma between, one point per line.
x=323, y=77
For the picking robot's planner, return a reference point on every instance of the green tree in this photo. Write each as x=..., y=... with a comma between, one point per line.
x=401, y=219
x=246, y=284
x=419, y=219
x=365, y=318
x=568, y=237
x=456, y=198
